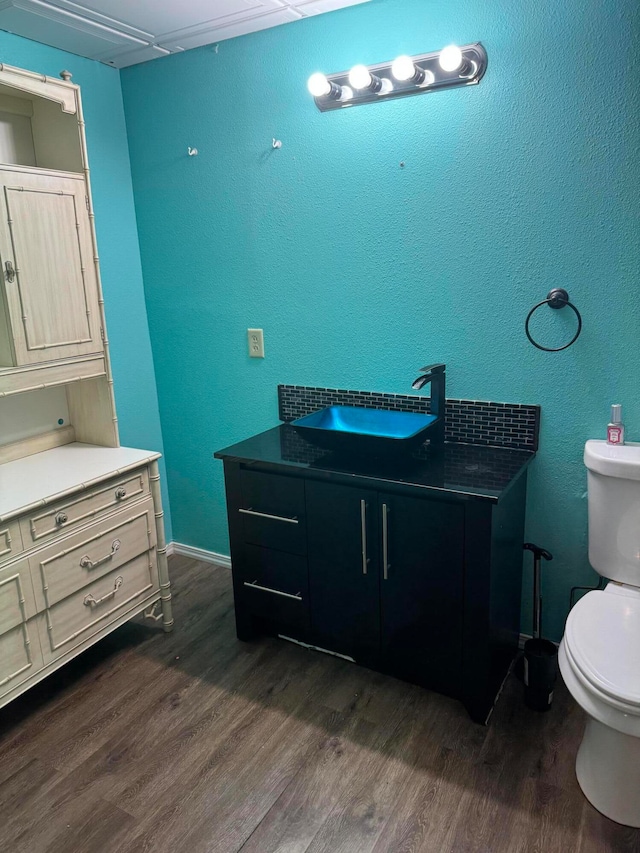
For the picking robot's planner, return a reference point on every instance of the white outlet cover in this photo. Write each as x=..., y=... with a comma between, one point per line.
x=255, y=340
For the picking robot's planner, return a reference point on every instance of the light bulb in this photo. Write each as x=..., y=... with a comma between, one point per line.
x=403, y=68
x=360, y=77
x=450, y=58
x=318, y=85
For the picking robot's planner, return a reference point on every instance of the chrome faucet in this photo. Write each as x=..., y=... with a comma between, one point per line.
x=435, y=374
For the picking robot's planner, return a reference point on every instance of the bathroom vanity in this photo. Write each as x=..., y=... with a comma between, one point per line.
x=410, y=565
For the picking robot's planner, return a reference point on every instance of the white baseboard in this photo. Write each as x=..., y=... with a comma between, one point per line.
x=198, y=554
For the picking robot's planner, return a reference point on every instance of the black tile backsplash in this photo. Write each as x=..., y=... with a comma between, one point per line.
x=466, y=421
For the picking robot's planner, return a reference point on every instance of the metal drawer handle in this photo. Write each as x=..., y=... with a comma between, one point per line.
x=250, y=511
x=385, y=542
x=61, y=518
x=87, y=563
x=256, y=585
x=363, y=531
x=90, y=601
x=10, y=272
x=121, y=494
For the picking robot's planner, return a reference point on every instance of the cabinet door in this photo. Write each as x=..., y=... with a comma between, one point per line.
x=343, y=569
x=51, y=290
x=422, y=545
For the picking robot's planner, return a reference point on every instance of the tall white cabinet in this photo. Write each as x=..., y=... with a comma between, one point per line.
x=82, y=546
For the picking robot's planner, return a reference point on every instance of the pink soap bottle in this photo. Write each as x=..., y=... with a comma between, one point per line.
x=615, y=430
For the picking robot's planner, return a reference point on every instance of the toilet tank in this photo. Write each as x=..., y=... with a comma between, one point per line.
x=614, y=510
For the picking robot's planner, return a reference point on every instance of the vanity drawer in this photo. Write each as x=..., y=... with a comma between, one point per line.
x=274, y=585
x=273, y=511
x=44, y=524
x=76, y=561
x=74, y=619
x=10, y=541
x=20, y=654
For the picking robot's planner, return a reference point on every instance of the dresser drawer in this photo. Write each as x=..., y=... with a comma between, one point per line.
x=74, y=619
x=75, y=561
x=10, y=541
x=274, y=585
x=44, y=524
x=17, y=601
x=273, y=511
x=20, y=654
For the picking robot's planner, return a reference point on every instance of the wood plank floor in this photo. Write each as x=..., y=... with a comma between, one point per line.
x=196, y=742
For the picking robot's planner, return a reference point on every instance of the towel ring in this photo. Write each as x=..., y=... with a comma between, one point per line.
x=556, y=298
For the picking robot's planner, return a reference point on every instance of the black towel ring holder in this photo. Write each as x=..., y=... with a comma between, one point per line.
x=556, y=298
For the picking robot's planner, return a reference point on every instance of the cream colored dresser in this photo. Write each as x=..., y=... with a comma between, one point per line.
x=82, y=545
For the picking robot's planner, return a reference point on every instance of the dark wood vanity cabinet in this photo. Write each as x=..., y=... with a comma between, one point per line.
x=423, y=586
x=385, y=580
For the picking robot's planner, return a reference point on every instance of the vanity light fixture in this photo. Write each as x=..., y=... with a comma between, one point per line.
x=406, y=75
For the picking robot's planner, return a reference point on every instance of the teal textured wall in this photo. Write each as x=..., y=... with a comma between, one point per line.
x=361, y=271
x=135, y=388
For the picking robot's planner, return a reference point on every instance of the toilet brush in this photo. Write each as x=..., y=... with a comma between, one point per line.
x=540, y=656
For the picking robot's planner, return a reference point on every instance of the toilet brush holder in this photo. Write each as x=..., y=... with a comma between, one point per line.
x=540, y=656
x=540, y=673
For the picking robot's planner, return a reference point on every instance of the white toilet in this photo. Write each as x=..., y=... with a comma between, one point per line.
x=600, y=652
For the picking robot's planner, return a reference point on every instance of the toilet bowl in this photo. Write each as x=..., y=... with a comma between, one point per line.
x=599, y=655
x=600, y=663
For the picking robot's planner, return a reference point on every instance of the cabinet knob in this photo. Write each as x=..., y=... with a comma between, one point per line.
x=61, y=518
x=121, y=493
x=10, y=272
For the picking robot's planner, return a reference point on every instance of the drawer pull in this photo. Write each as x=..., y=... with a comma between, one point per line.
x=87, y=563
x=61, y=518
x=256, y=585
x=293, y=520
x=363, y=534
x=385, y=542
x=90, y=601
x=121, y=494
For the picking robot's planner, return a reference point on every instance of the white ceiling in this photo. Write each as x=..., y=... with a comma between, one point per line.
x=125, y=32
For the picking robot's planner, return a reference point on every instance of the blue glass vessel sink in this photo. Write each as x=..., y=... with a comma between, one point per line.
x=358, y=430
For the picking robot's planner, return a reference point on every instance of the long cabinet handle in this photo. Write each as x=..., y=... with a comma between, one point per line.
x=385, y=541
x=293, y=520
x=363, y=532
x=87, y=563
x=256, y=585
x=90, y=601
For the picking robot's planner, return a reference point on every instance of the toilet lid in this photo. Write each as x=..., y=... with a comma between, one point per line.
x=603, y=635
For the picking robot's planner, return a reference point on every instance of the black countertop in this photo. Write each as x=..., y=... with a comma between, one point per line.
x=464, y=470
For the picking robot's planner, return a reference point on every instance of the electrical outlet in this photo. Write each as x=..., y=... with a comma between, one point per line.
x=256, y=343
